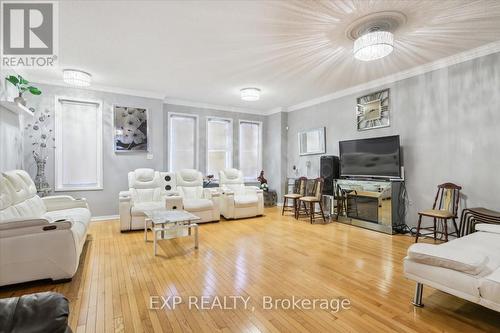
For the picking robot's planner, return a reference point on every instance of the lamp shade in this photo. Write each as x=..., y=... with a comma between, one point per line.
x=373, y=45
x=77, y=78
x=250, y=94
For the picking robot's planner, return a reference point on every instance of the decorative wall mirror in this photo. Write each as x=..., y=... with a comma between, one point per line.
x=373, y=110
x=312, y=141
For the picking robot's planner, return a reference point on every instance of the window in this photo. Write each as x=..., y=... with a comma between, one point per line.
x=219, y=145
x=250, y=148
x=78, y=152
x=183, y=137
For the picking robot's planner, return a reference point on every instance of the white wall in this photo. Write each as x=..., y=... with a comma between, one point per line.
x=116, y=166
x=11, y=147
x=449, y=123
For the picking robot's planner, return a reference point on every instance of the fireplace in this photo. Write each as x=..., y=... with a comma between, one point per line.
x=363, y=207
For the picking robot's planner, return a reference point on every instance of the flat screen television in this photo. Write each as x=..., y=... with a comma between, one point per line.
x=371, y=158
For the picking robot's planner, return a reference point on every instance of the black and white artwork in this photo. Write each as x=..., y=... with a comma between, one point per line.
x=131, y=129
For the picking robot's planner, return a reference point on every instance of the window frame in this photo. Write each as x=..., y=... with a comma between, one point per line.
x=260, y=154
x=231, y=142
x=58, y=158
x=196, y=137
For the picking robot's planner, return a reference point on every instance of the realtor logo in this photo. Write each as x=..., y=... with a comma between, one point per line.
x=29, y=34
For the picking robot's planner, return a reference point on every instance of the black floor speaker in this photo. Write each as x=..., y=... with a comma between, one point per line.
x=329, y=169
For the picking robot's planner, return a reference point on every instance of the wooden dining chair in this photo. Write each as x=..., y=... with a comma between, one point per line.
x=313, y=199
x=299, y=190
x=445, y=208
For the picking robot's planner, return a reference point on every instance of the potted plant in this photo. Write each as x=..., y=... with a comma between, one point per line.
x=22, y=86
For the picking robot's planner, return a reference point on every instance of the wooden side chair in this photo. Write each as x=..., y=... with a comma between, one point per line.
x=313, y=199
x=445, y=208
x=299, y=190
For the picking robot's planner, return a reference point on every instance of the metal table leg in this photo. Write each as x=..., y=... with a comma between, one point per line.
x=196, y=236
x=155, y=232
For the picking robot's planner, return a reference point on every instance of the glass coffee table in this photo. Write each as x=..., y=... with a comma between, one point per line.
x=171, y=223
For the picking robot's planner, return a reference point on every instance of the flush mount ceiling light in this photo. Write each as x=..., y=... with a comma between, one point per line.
x=373, y=34
x=77, y=78
x=250, y=94
x=373, y=45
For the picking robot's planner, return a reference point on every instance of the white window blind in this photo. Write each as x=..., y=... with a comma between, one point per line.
x=78, y=153
x=182, y=141
x=250, y=148
x=219, y=145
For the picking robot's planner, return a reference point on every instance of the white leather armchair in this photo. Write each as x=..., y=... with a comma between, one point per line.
x=238, y=200
x=39, y=238
x=148, y=189
x=202, y=202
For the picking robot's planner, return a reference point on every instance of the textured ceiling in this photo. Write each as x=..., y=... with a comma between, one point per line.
x=293, y=50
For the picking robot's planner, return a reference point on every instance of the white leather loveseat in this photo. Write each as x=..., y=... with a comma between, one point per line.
x=467, y=267
x=39, y=238
x=150, y=189
x=237, y=200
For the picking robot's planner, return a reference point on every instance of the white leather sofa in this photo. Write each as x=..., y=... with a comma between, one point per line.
x=237, y=200
x=150, y=189
x=467, y=267
x=40, y=238
x=202, y=202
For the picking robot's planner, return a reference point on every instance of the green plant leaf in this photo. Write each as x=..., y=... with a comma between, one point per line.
x=34, y=90
x=12, y=79
x=22, y=80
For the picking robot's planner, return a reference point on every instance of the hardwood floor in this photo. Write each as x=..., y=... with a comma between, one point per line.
x=272, y=255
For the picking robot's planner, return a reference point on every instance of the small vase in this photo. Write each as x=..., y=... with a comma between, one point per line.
x=40, y=179
x=20, y=100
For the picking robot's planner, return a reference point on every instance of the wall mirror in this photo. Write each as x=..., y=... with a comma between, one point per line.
x=312, y=141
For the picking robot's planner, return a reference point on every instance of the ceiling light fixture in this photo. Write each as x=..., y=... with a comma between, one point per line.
x=77, y=78
x=250, y=94
x=373, y=45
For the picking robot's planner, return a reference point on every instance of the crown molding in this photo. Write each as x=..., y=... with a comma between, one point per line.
x=429, y=67
x=275, y=110
x=201, y=105
x=107, y=89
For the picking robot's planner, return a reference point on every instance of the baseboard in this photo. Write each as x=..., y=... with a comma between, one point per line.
x=104, y=217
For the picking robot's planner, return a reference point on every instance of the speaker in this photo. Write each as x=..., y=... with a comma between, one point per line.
x=168, y=181
x=329, y=169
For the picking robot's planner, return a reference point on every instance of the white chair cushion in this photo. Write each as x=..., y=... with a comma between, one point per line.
x=189, y=178
x=231, y=176
x=146, y=194
x=455, y=258
x=493, y=228
x=245, y=200
x=139, y=208
x=5, y=193
x=197, y=205
x=144, y=175
x=21, y=185
x=195, y=192
x=18, y=196
x=144, y=179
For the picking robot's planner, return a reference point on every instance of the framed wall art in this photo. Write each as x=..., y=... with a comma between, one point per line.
x=131, y=129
